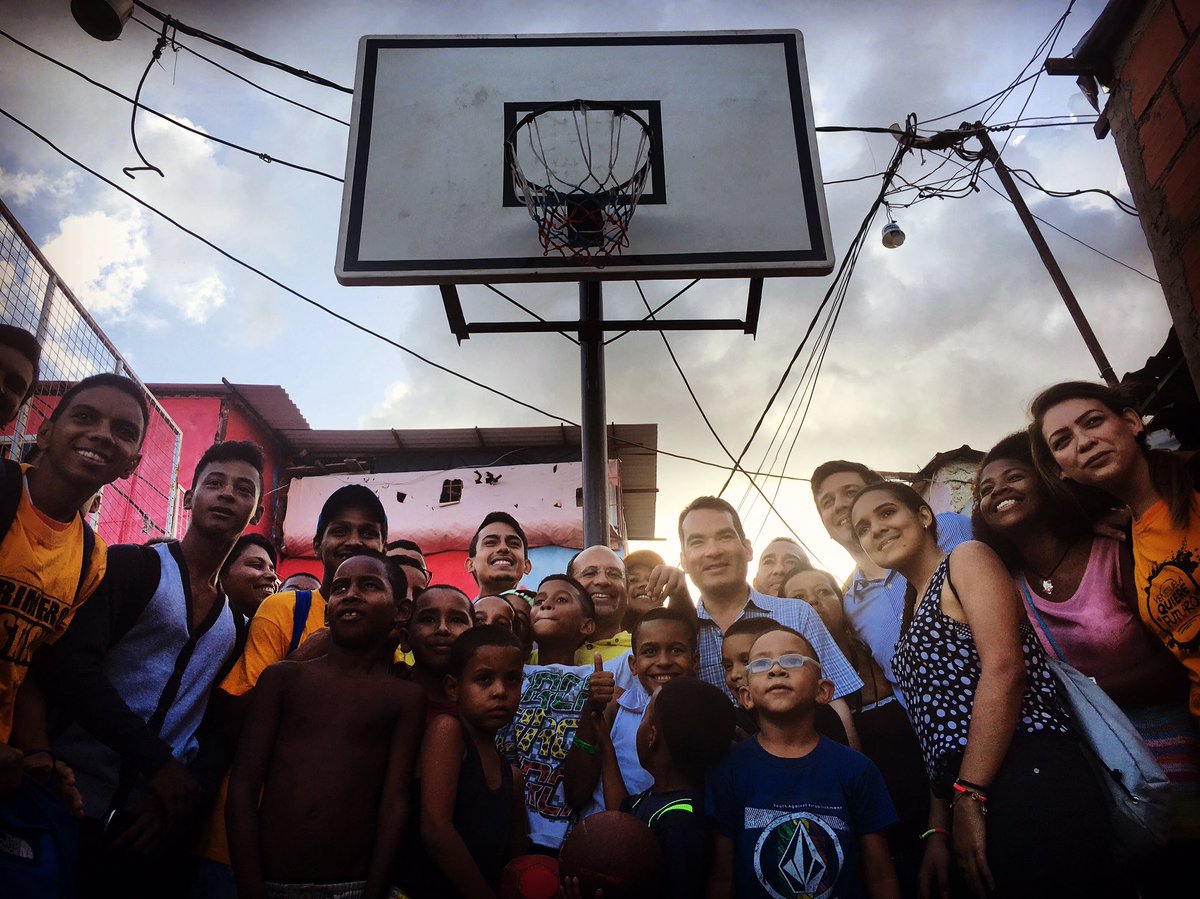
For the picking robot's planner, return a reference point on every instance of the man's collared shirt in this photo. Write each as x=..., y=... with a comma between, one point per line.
x=793, y=613
x=875, y=608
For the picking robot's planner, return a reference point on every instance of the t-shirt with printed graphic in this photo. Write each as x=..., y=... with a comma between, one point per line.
x=685, y=834
x=796, y=824
x=1166, y=567
x=538, y=740
x=40, y=562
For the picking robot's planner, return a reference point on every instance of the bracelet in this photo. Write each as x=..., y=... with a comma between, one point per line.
x=584, y=746
x=971, y=786
x=934, y=830
x=978, y=795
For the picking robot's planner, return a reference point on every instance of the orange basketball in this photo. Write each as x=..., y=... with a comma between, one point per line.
x=614, y=852
x=530, y=877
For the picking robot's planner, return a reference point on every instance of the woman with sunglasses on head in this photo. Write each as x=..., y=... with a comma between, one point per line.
x=1013, y=798
x=1092, y=436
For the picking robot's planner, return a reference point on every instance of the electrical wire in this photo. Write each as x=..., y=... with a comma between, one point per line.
x=1055, y=31
x=1077, y=240
x=139, y=105
x=958, y=112
x=177, y=46
x=658, y=309
x=348, y=321
x=526, y=309
x=1033, y=182
x=846, y=269
x=242, y=51
x=708, y=423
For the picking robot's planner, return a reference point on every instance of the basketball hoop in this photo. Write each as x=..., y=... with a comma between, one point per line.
x=587, y=193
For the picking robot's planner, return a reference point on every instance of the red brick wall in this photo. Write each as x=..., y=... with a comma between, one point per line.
x=1155, y=116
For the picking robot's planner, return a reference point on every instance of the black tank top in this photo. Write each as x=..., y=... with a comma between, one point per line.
x=482, y=818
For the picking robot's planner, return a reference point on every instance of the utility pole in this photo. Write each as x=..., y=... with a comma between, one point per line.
x=1056, y=274
x=946, y=139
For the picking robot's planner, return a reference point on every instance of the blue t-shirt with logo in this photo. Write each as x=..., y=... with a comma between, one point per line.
x=796, y=824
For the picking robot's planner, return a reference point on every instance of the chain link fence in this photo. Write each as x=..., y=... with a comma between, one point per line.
x=32, y=296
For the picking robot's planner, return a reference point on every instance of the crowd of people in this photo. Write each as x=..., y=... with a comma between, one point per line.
x=174, y=722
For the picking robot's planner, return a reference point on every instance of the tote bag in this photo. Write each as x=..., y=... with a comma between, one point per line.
x=1134, y=785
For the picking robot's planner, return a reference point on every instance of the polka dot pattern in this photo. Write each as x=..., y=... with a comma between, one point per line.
x=937, y=666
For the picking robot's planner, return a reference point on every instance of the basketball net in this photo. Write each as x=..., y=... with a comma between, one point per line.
x=578, y=180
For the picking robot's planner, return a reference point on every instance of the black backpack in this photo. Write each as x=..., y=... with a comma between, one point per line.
x=11, y=487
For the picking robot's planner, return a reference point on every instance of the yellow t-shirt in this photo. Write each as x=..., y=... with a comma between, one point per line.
x=612, y=648
x=267, y=642
x=1166, y=565
x=40, y=562
x=269, y=636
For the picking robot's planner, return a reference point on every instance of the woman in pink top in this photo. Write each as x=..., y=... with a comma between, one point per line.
x=1078, y=587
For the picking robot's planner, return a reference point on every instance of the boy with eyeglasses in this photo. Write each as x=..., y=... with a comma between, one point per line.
x=797, y=814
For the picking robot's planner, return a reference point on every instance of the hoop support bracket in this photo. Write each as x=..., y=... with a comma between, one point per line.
x=463, y=329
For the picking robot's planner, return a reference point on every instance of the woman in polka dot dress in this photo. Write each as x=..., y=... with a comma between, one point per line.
x=1014, y=801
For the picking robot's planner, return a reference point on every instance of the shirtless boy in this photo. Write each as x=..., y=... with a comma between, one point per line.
x=320, y=820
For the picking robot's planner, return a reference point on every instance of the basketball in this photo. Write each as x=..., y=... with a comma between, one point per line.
x=614, y=852
x=530, y=877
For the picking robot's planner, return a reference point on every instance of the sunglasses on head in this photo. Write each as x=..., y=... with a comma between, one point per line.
x=793, y=661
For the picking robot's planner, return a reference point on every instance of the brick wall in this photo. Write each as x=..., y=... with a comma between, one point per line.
x=1154, y=111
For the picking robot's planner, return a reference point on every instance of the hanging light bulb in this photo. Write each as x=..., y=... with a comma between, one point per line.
x=892, y=235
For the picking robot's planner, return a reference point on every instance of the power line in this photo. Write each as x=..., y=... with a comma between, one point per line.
x=177, y=46
x=242, y=51
x=708, y=424
x=958, y=112
x=1055, y=31
x=846, y=268
x=356, y=325
x=139, y=105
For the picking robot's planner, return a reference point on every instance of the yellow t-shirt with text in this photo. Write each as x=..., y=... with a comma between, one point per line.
x=1166, y=565
x=40, y=561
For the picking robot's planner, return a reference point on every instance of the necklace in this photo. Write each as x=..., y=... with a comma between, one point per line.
x=1047, y=582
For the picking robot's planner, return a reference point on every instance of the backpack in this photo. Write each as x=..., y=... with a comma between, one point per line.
x=12, y=485
x=299, y=618
x=38, y=844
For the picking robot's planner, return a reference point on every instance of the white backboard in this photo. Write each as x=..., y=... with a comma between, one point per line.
x=734, y=187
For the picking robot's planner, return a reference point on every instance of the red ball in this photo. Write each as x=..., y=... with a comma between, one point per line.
x=530, y=877
x=613, y=852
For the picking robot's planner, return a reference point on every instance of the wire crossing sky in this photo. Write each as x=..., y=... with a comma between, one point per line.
x=898, y=355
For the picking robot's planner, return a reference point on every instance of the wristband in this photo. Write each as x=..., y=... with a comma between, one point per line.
x=584, y=746
x=963, y=790
x=971, y=786
x=934, y=830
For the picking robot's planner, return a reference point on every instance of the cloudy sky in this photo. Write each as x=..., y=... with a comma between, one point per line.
x=941, y=342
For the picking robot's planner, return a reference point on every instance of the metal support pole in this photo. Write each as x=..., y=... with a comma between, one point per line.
x=594, y=435
x=1056, y=273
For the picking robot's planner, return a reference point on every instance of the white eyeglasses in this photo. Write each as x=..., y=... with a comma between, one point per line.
x=793, y=661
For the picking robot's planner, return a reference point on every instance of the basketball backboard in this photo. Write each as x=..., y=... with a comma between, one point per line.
x=734, y=183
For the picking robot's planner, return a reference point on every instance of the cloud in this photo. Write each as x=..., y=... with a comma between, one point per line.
x=197, y=300
x=103, y=257
x=21, y=188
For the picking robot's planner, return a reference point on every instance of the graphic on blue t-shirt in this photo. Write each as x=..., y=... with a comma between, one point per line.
x=797, y=855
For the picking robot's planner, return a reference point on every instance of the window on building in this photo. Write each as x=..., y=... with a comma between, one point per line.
x=451, y=491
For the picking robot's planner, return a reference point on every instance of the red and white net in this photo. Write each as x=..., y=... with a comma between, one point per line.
x=580, y=168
